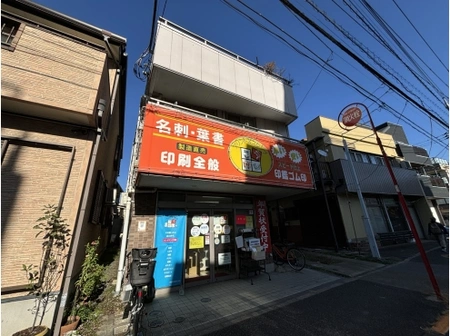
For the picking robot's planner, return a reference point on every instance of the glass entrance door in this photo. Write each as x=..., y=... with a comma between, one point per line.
x=209, y=246
x=224, y=251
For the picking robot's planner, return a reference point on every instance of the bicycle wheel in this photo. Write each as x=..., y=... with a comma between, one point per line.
x=276, y=259
x=137, y=311
x=296, y=259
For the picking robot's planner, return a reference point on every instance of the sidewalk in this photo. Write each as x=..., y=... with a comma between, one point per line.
x=207, y=308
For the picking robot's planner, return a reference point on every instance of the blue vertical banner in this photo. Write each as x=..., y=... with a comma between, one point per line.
x=169, y=239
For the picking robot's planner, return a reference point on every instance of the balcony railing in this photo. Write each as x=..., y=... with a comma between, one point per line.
x=434, y=186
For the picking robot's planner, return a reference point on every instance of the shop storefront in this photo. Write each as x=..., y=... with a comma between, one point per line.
x=195, y=236
x=386, y=215
x=211, y=180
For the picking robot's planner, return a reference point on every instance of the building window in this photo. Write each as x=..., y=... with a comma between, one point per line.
x=356, y=157
x=11, y=30
x=376, y=160
x=117, y=154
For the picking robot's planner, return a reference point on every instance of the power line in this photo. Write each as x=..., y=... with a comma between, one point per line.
x=287, y=4
x=392, y=35
x=164, y=8
x=314, y=82
x=381, y=40
x=406, y=17
x=139, y=68
x=400, y=79
x=344, y=78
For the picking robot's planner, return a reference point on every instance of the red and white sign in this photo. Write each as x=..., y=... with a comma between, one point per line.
x=262, y=224
x=179, y=144
x=241, y=219
x=351, y=116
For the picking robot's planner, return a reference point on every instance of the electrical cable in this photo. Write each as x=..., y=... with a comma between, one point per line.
x=374, y=33
x=294, y=9
x=377, y=59
x=340, y=75
x=314, y=82
x=391, y=34
x=140, y=70
x=373, y=172
x=164, y=8
x=406, y=17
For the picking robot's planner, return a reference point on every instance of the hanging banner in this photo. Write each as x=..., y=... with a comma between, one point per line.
x=169, y=239
x=262, y=223
x=180, y=144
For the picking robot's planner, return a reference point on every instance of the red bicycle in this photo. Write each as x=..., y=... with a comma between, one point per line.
x=284, y=252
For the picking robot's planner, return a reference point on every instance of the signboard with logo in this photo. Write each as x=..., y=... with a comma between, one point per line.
x=169, y=239
x=179, y=144
x=350, y=115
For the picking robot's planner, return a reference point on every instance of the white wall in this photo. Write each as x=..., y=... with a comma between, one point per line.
x=17, y=315
x=272, y=126
x=191, y=57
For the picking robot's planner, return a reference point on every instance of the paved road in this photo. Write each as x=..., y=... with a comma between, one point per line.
x=397, y=300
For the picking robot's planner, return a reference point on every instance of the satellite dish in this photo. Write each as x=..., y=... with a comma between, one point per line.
x=322, y=152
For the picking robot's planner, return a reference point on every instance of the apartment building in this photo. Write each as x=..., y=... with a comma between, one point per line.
x=338, y=220
x=432, y=172
x=62, y=109
x=212, y=148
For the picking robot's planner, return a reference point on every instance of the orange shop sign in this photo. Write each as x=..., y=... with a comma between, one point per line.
x=179, y=144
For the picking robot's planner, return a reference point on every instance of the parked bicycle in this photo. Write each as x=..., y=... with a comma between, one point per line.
x=286, y=252
x=140, y=270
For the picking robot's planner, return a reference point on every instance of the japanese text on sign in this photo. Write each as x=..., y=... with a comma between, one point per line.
x=262, y=224
x=186, y=160
x=176, y=143
x=200, y=134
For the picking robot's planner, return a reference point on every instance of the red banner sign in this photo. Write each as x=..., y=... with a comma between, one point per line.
x=262, y=224
x=179, y=144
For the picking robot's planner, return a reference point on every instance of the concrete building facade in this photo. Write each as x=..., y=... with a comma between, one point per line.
x=212, y=147
x=344, y=214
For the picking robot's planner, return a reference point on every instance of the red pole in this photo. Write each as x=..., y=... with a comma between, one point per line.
x=406, y=212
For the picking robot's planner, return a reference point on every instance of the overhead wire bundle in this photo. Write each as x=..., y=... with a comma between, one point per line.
x=261, y=21
x=141, y=67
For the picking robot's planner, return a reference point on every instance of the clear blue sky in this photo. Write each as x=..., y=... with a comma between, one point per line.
x=316, y=91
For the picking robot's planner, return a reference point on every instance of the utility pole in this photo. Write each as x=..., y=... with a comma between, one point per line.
x=366, y=219
x=351, y=114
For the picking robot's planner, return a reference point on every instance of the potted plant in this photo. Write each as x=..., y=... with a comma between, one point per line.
x=44, y=279
x=87, y=285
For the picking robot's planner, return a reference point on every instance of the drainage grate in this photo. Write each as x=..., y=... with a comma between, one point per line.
x=205, y=300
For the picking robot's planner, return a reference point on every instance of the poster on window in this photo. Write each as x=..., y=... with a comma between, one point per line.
x=224, y=258
x=169, y=239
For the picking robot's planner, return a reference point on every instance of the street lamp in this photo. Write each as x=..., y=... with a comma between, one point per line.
x=330, y=218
